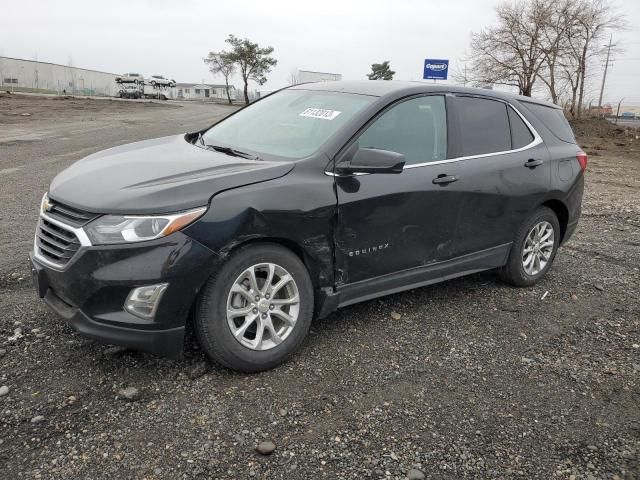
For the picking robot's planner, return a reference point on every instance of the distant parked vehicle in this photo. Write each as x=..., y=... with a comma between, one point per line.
x=139, y=90
x=130, y=78
x=131, y=90
x=161, y=81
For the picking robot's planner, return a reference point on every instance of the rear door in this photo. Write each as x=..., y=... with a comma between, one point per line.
x=504, y=172
x=393, y=222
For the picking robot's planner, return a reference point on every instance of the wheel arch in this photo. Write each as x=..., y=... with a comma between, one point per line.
x=562, y=212
x=310, y=261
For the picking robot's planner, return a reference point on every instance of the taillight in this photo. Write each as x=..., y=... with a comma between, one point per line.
x=582, y=160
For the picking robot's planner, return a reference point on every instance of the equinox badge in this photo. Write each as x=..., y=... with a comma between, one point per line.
x=365, y=251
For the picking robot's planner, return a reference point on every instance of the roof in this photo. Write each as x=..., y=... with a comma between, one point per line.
x=321, y=73
x=381, y=88
x=57, y=65
x=209, y=85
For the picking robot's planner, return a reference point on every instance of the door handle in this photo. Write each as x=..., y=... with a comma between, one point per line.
x=444, y=179
x=533, y=163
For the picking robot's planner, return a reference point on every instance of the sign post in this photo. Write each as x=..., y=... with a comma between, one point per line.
x=435, y=69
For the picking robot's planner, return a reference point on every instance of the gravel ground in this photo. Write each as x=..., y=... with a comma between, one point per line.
x=466, y=379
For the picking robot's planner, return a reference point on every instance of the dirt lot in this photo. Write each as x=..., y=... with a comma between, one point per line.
x=475, y=379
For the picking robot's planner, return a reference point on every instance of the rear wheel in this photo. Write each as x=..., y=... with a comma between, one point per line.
x=256, y=311
x=533, y=250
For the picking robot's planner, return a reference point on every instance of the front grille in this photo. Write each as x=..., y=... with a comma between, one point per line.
x=69, y=215
x=55, y=243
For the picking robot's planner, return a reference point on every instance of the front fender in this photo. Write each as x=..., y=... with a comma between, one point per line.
x=297, y=211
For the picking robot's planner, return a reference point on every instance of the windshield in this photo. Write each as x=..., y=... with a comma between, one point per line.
x=291, y=123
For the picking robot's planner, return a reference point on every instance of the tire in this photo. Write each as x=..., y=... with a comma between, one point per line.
x=516, y=272
x=214, y=327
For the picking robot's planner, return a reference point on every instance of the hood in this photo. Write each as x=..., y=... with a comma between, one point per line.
x=161, y=175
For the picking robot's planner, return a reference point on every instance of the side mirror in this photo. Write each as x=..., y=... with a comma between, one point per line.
x=372, y=160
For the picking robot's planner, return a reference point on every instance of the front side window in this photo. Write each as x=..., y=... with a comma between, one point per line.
x=290, y=124
x=484, y=126
x=416, y=128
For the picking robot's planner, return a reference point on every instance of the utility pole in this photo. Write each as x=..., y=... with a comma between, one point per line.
x=604, y=76
x=618, y=112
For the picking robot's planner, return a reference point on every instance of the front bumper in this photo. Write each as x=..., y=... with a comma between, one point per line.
x=90, y=292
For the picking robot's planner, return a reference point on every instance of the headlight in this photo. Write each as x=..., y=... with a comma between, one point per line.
x=110, y=229
x=45, y=205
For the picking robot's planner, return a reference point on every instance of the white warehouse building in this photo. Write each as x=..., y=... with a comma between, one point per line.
x=203, y=91
x=31, y=75
x=306, y=76
x=54, y=78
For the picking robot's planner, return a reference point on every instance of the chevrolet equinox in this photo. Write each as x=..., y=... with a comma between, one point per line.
x=313, y=198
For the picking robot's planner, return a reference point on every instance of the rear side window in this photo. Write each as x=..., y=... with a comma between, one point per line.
x=521, y=136
x=484, y=126
x=554, y=120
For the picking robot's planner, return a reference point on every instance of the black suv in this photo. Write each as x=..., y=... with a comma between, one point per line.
x=313, y=198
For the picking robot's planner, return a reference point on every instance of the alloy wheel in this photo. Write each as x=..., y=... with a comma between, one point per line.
x=538, y=248
x=263, y=306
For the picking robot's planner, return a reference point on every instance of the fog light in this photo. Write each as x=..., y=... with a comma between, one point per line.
x=143, y=301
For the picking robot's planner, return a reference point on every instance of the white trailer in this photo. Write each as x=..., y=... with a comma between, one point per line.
x=144, y=89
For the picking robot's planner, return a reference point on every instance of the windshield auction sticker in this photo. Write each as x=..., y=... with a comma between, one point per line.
x=320, y=113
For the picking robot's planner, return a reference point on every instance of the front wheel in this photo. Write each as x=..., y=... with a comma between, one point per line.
x=533, y=250
x=256, y=311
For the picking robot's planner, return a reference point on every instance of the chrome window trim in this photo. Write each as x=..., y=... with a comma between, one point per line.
x=78, y=232
x=537, y=140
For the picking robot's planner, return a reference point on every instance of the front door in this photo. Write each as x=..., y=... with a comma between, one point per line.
x=388, y=223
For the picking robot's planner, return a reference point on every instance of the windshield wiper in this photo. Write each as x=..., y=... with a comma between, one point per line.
x=233, y=152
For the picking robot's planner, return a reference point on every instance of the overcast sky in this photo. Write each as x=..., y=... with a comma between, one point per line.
x=170, y=37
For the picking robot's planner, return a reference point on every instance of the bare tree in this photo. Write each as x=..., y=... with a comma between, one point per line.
x=594, y=19
x=221, y=63
x=558, y=18
x=461, y=76
x=294, y=77
x=548, y=40
x=510, y=53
